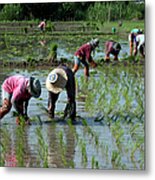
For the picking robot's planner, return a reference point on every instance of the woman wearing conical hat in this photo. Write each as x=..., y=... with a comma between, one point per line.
x=57, y=80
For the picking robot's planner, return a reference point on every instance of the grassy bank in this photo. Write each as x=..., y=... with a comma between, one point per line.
x=70, y=27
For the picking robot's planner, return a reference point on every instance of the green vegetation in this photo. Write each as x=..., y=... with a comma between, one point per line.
x=112, y=136
x=52, y=57
x=123, y=100
x=102, y=11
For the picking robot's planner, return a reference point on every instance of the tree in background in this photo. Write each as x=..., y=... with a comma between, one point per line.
x=111, y=11
x=66, y=11
x=11, y=12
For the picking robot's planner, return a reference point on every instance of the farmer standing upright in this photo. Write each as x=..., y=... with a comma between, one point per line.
x=42, y=25
x=83, y=55
x=17, y=91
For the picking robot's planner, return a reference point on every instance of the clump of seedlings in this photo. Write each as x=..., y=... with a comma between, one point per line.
x=4, y=146
x=52, y=57
x=42, y=149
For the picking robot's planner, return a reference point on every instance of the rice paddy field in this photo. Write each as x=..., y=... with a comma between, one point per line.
x=109, y=132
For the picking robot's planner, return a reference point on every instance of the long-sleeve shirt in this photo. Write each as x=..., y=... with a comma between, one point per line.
x=70, y=89
x=109, y=49
x=17, y=86
x=42, y=24
x=84, y=52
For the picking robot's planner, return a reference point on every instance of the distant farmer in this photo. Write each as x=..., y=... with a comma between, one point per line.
x=132, y=40
x=140, y=39
x=17, y=91
x=83, y=55
x=113, y=30
x=58, y=79
x=120, y=23
x=112, y=47
x=42, y=25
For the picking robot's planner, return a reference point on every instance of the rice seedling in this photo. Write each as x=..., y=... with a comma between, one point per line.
x=4, y=145
x=116, y=159
x=62, y=148
x=94, y=163
x=42, y=149
x=20, y=146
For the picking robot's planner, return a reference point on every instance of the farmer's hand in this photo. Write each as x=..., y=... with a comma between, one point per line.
x=23, y=120
x=93, y=64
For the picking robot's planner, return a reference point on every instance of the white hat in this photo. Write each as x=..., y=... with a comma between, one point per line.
x=56, y=80
x=34, y=87
x=94, y=42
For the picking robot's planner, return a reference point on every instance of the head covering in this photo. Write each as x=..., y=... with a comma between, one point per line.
x=56, y=80
x=117, y=46
x=34, y=87
x=94, y=43
x=140, y=31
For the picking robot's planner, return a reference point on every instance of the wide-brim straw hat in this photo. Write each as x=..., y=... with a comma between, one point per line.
x=56, y=80
x=34, y=87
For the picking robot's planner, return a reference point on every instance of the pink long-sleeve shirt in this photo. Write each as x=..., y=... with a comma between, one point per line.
x=109, y=49
x=84, y=52
x=42, y=24
x=17, y=86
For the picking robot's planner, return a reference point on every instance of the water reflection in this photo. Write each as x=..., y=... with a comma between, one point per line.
x=72, y=146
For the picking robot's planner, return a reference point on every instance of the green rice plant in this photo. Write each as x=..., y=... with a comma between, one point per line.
x=84, y=153
x=84, y=157
x=4, y=145
x=20, y=146
x=52, y=57
x=72, y=129
x=84, y=122
x=62, y=148
x=94, y=163
x=6, y=40
x=116, y=159
x=118, y=133
x=42, y=148
x=106, y=96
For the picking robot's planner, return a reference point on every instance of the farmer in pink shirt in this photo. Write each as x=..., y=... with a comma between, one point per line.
x=83, y=55
x=112, y=47
x=42, y=25
x=17, y=91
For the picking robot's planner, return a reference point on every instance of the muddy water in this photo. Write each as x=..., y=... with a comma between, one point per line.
x=64, y=145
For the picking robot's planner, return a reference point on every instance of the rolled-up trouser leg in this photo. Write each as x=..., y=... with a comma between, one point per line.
x=6, y=106
x=77, y=62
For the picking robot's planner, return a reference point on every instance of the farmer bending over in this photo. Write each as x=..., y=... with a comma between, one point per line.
x=140, y=39
x=17, y=91
x=112, y=47
x=132, y=40
x=83, y=55
x=58, y=79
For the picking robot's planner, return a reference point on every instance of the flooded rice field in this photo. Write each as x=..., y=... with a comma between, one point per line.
x=25, y=47
x=108, y=132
